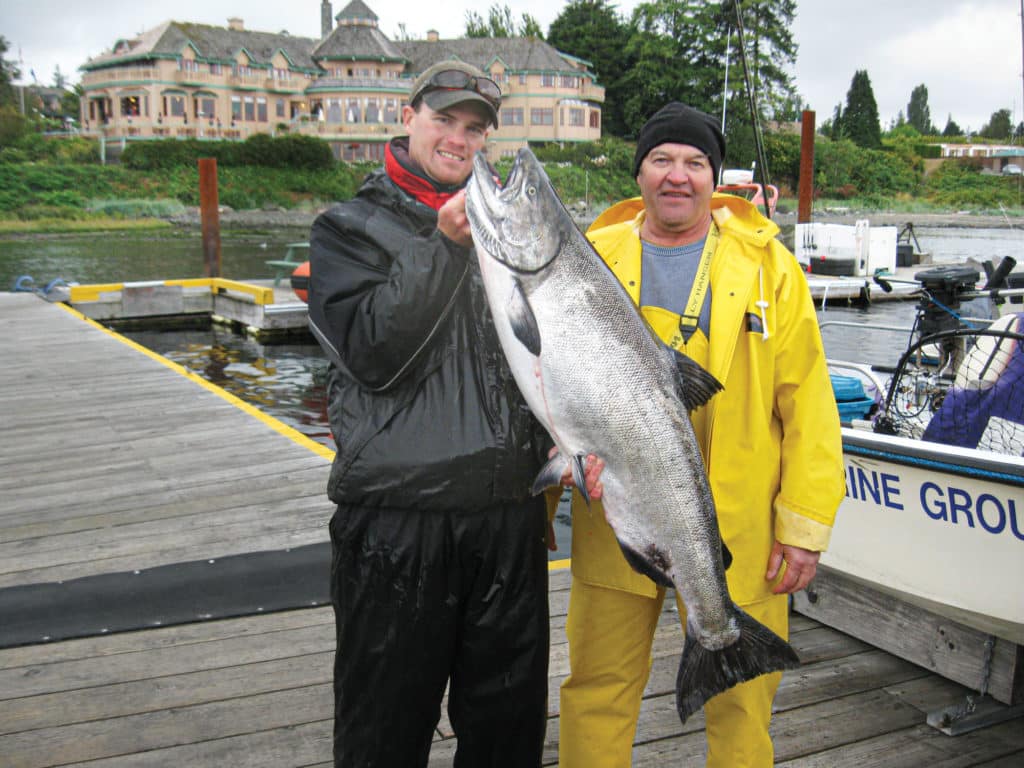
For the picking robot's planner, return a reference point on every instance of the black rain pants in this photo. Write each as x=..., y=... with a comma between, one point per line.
x=422, y=599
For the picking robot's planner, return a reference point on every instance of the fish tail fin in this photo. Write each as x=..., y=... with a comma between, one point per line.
x=704, y=673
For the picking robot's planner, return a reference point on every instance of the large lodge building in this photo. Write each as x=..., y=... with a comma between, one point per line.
x=182, y=80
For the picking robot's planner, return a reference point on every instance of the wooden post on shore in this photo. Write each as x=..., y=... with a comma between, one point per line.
x=209, y=215
x=806, y=186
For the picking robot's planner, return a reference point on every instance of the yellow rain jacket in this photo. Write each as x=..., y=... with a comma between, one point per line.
x=770, y=439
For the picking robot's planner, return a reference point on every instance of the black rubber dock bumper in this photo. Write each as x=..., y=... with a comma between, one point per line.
x=200, y=590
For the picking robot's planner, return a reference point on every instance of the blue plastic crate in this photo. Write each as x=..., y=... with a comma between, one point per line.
x=854, y=409
x=847, y=388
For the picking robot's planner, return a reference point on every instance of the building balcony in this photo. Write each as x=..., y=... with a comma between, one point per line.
x=103, y=77
x=197, y=78
x=349, y=131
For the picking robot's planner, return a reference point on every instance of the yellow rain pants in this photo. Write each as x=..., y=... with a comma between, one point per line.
x=611, y=661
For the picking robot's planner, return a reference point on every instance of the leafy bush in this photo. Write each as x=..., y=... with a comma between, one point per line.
x=928, y=151
x=960, y=184
x=36, y=147
x=290, y=151
x=841, y=167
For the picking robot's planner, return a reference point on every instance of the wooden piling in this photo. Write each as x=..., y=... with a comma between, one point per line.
x=806, y=190
x=209, y=215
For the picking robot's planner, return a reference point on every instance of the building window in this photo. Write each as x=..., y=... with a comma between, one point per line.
x=391, y=110
x=207, y=107
x=188, y=65
x=576, y=116
x=174, y=106
x=216, y=69
x=334, y=111
x=569, y=81
x=130, y=106
x=512, y=116
x=353, y=112
x=522, y=78
x=261, y=109
x=542, y=117
x=279, y=108
x=241, y=70
x=236, y=108
x=249, y=108
x=372, y=110
x=547, y=81
x=595, y=119
x=281, y=74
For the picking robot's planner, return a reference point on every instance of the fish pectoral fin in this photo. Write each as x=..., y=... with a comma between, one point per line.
x=550, y=474
x=695, y=385
x=644, y=565
x=522, y=320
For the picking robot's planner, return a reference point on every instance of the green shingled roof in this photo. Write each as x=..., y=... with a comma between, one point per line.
x=210, y=44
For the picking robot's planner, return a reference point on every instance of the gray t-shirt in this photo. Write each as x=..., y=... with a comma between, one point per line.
x=668, y=275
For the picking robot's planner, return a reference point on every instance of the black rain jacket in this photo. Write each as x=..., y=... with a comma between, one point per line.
x=422, y=405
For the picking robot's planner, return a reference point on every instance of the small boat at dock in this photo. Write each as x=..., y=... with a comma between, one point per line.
x=930, y=535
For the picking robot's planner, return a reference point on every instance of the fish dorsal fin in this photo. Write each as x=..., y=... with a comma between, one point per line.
x=696, y=386
x=522, y=320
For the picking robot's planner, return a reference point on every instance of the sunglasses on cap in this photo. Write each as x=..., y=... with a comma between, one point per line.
x=457, y=80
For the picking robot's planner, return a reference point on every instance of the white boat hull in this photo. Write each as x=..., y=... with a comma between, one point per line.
x=941, y=523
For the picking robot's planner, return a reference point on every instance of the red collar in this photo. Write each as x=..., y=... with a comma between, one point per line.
x=401, y=170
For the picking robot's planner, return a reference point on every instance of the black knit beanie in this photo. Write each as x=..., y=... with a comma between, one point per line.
x=680, y=124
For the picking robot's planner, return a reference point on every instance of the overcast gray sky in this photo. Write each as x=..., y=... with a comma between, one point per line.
x=967, y=52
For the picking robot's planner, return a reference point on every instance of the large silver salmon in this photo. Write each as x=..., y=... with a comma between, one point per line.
x=600, y=382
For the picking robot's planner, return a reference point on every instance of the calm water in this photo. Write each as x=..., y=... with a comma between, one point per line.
x=287, y=380
x=106, y=257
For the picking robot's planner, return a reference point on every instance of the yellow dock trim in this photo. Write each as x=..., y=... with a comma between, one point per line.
x=261, y=295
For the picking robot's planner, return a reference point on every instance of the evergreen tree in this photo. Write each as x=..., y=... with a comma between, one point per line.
x=952, y=129
x=918, y=113
x=8, y=74
x=771, y=50
x=998, y=126
x=833, y=127
x=860, y=118
x=592, y=30
x=679, y=50
x=59, y=81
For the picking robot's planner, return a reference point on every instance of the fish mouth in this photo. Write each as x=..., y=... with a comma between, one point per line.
x=497, y=212
x=523, y=224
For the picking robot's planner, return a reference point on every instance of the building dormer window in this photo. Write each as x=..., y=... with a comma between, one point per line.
x=216, y=69
x=188, y=65
x=243, y=70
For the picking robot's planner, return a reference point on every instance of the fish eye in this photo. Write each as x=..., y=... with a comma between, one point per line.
x=531, y=191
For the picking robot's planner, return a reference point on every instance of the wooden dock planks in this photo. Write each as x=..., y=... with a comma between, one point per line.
x=111, y=461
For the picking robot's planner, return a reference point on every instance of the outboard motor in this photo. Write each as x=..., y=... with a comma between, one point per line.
x=944, y=287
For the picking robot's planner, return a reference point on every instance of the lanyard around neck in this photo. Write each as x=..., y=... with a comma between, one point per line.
x=675, y=329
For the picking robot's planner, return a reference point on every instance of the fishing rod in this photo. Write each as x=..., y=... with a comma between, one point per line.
x=762, y=163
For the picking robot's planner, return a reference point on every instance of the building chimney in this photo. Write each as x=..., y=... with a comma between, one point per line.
x=325, y=18
x=236, y=24
x=432, y=36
